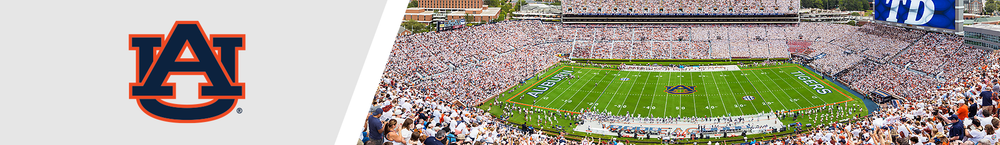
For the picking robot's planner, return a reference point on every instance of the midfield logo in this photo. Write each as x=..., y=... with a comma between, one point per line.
x=680, y=89
x=216, y=59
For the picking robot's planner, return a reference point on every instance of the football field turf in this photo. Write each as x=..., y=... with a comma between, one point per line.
x=720, y=93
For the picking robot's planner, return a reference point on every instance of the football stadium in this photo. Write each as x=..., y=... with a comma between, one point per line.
x=687, y=72
x=673, y=94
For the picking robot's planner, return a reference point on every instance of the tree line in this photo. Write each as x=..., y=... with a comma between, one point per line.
x=990, y=7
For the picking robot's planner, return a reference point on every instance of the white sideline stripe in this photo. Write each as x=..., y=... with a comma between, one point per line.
x=725, y=68
x=636, y=108
x=720, y=97
x=591, y=92
x=745, y=89
x=814, y=93
x=560, y=96
x=772, y=93
x=800, y=93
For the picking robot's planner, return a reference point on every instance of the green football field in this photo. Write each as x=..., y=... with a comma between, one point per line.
x=783, y=87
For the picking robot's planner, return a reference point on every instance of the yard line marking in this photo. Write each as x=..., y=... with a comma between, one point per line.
x=824, y=82
x=759, y=80
x=794, y=100
x=680, y=100
x=694, y=102
x=754, y=105
x=647, y=83
x=800, y=93
x=613, y=96
x=825, y=103
x=814, y=93
x=626, y=95
x=772, y=94
x=560, y=96
x=758, y=93
x=636, y=108
x=532, y=85
x=666, y=96
x=720, y=96
x=827, y=84
x=711, y=111
x=703, y=95
x=591, y=91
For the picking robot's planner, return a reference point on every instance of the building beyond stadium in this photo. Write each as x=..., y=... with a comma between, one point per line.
x=983, y=36
x=448, y=4
x=428, y=11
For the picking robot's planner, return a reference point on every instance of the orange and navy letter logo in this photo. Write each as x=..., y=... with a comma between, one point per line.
x=680, y=89
x=157, y=58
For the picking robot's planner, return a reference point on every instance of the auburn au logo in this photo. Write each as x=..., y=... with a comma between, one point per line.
x=215, y=58
x=680, y=89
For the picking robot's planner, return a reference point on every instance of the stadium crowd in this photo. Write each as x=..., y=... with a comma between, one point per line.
x=431, y=78
x=890, y=40
x=832, y=59
x=448, y=63
x=734, y=41
x=870, y=76
x=958, y=111
x=730, y=7
x=929, y=53
x=401, y=115
x=642, y=50
x=962, y=61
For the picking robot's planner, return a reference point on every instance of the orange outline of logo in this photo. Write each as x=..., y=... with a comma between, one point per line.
x=218, y=59
x=690, y=89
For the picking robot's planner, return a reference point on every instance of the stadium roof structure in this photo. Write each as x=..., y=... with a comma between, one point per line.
x=492, y=11
x=978, y=36
x=985, y=26
x=541, y=8
x=981, y=20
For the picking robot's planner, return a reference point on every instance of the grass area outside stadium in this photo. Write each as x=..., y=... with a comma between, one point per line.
x=775, y=87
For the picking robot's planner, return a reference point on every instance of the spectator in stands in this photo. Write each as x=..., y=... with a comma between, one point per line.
x=432, y=78
x=375, y=126
x=957, y=131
